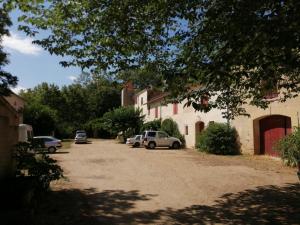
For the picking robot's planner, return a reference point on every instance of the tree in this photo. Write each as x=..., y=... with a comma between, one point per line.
x=235, y=51
x=75, y=106
x=41, y=117
x=127, y=120
x=6, y=79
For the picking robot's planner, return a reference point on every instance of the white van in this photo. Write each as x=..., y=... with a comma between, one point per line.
x=25, y=132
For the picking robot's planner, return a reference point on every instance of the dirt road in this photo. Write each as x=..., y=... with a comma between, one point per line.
x=111, y=183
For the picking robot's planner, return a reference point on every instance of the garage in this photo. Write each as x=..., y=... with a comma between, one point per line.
x=272, y=129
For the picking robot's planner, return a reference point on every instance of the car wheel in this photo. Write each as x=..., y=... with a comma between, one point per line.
x=152, y=145
x=176, y=145
x=137, y=145
x=51, y=149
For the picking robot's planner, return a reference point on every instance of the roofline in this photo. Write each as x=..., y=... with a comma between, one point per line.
x=142, y=91
x=10, y=107
x=158, y=98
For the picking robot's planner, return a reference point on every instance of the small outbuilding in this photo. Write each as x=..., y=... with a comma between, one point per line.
x=11, y=116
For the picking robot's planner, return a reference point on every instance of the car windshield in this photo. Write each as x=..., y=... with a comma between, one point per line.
x=138, y=137
x=81, y=135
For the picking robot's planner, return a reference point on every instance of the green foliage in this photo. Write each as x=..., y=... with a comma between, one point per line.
x=236, y=50
x=151, y=125
x=143, y=77
x=171, y=128
x=6, y=79
x=289, y=148
x=40, y=166
x=127, y=120
x=41, y=117
x=219, y=139
x=70, y=108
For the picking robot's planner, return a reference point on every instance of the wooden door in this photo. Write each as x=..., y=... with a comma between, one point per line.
x=272, y=129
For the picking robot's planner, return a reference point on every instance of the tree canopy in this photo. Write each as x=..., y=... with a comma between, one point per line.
x=235, y=51
x=64, y=110
x=6, y=79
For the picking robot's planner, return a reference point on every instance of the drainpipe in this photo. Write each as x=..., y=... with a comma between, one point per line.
x=298, y=173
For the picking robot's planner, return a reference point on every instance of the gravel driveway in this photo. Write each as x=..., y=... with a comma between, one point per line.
x=110, y=183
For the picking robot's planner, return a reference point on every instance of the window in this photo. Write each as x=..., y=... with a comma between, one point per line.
x=148, y=111
x=156, y=112
x=270, y=94
x=138, y=138
x=151, y=134
x=162, y=135
x=204, y=101
x=142, y=100
x=270, y=90
x=175, y=108
x=186, y=130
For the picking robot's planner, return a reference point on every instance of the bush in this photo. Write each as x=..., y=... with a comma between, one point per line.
x=289, y=148
x=151, y=125
x=39, y=166
x=219, y=139
x=171, y=128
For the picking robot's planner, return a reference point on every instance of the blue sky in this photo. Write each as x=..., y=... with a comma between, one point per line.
x=33, y=65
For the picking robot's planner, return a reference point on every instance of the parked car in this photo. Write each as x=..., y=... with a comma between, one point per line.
x=80, y=131
x=135, y=141
x=80, y=138
x=48, y=142
x=154, y=139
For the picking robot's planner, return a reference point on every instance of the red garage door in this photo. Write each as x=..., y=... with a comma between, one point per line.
x=272, y=129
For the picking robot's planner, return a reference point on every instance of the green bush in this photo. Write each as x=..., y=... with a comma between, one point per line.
x=171, y=128
x=39, y=166
x=289, y=148
x=219, y=139
x=152, y=125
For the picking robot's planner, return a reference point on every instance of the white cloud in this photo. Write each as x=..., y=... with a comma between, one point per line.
x=72, y=78
x=20, y=44
x=17, y=89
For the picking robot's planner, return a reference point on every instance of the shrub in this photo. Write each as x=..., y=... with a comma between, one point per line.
x=151, y=125
x=289, y=148
x=171, y=128
x=219, y=139
x=39, y=166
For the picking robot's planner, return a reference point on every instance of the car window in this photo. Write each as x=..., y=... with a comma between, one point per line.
x=138, y=137
x=151, y=134
x=48, y=139
x=162, y=135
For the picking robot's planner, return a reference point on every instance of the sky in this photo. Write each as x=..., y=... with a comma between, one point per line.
x=32, y=64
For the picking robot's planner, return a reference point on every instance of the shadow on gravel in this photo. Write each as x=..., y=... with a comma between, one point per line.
x=263, y=205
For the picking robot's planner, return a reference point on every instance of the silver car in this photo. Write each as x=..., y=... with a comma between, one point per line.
x=154, y=139
x=135, y=141
x=80, y=138
x=48, y=142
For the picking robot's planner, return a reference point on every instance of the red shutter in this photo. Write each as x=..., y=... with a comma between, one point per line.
x=175, y=108
x=204, y=100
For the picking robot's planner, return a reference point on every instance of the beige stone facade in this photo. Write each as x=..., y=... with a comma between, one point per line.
x=250, y=128
x=10, y=118
x=190, y=122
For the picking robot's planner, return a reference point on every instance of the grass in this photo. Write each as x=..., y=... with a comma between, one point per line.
x=66, y=143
